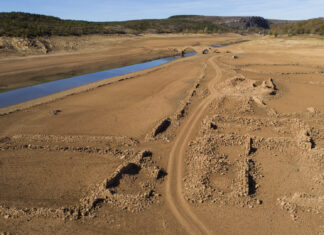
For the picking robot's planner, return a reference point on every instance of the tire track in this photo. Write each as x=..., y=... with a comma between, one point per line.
x=174, y=195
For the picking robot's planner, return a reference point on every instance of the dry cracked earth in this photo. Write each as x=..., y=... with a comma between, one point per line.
x=230, y=142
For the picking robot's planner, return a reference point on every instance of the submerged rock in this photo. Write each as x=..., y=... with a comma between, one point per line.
x=206, y=51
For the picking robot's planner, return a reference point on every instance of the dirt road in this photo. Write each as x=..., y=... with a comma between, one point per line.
x=174, y=192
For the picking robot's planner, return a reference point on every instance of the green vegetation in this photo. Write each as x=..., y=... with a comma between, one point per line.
x=33, y=25
x=20, y=24
x=313, y=26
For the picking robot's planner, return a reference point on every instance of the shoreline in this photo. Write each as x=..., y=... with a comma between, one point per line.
x=107, y=81
x=81, y=89
x=36, y=80
x=92, y=54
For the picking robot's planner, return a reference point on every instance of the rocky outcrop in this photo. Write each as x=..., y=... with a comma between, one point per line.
x=25, y=45
x=255, y=21
x=206, y=51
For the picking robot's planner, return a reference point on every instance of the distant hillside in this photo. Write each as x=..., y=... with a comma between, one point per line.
x=241, y=23
x=313, y=26
x=32, y=25
x=20, y=24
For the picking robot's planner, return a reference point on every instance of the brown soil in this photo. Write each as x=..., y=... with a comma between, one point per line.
x=71, y=56
x=218, y=143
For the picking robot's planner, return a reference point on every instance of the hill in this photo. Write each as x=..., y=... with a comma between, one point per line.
x=19, y=24
x=33, y=25
x=312, y=26
x=238, y=23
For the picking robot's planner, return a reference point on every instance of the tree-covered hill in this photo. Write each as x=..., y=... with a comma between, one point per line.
x=19, y=24
x=32, y=25
x=312, y=26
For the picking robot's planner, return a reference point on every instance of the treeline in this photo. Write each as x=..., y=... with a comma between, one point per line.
x=32, y=25
x=18, y=24
x=313, y=26
x=172, y=25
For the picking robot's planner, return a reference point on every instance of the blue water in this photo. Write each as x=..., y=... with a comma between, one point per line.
x=216, y=46
x=33, y=92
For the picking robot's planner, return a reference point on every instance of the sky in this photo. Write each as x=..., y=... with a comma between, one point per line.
x=119, y=10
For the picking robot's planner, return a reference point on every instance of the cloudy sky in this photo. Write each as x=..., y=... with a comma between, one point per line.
x=118, y=10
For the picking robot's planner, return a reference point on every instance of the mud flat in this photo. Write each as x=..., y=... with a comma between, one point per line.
x=228, y=142
x=22, y=95
x=21, y=66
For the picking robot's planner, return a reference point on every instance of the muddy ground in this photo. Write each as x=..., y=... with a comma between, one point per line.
x=229, y=142
x=24, y=62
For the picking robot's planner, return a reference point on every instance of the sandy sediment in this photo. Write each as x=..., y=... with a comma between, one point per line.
x=207, y=144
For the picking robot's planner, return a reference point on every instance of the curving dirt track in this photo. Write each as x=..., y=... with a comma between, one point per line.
x=179, y=207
